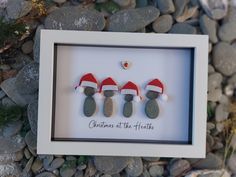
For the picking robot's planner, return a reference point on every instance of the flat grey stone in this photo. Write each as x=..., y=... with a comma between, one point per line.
x=11, y=145
x=224, y=58
x=152, y=109
x=18, y=8
x=183, y=28
x=108, y=107
x=67, y=172
x=27, y=47
x=179, y=7
x=10, y=170
x=129, y=97
x=89, y=91
x=2, y=94
x=11, y=157
x=135, y=167
x=109, y=93
x=122, y=3
x=56, y=163
x=46, y=174
x=128, y=109
x=110, y=165
x=211, y=69
x=47, y=161
x=79, y=173
x=20, y=60
x=28, y=165
x=216, y=9
x=130, y=20
x=214, y=81
x=178, y=166
x=32, y=113
x=162, y=24
x=221, y=112
x=214, y=95
x=31, y=140
x=8, y=86
x=89, y=106
x=36, y=47
x=27, y=80
x=151, y=94
x=156, y=170
x=166, y=6
x=75, y=18
x=6, y=101
x=12, y=128
x=209, y=27
x=36, y=166
x=227, y=31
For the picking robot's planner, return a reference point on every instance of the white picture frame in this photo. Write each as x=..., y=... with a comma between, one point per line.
x=47, y=144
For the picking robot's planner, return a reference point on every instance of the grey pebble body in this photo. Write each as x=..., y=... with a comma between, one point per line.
x=152, y=109
x=89, y=106
x=128, y=109
x=108, y=107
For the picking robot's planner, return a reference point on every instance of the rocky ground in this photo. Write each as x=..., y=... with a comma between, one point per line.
x=20, y=72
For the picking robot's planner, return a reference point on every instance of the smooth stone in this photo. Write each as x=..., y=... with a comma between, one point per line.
x=89, y=106
x=56, y=163
x=183, y=28
x=211, y=69
x=10, y=170
x=130, y=20
x=36, y=47
x=224, y=59
x=209, y=27
x=79, y=173
x=11, y=157
x=11, y=144
x=227, y=31
x=109, y=93
x=128, y=109
x=229, y=90
x=166, y=6
x=8, y=102
x=59, y=1
x=208, y=173
x=188, y=13
x=162, y=24
x=110, y=165
x=20, y=60
x=212, y=161
x=27, y=80
x=46, y=174
x=32, y=113
x=141, y=3
x=89, y=91
x=108, y=107
x=135, y=167
x=152, y=109
x=47, y=161
x=12, y=128
x=129, y=97
x=151, y=159
x=18, y=8
x=27, y=153
x=214, y=81
x=75, y=18
x=27, y=47
x=232, y=80
x=179, y=7
x=9, y=87
x=37, y=165
x=156, y=170
x=152, y=95
x=178, y=166
x=216, y=9
x=122, y=3
x=31, y=140
x=67, y=172
x=214, y=95
x=221, y=112
x=28, y=165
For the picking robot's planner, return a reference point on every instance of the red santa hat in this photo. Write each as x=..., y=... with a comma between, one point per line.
x=87, y=80
x=108, y=84
x=157, y=86
x=132, y=89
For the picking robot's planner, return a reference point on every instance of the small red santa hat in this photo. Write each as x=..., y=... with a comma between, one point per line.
x=157, y=86
x=108, y=84
x=87, y=80
x=131, y=88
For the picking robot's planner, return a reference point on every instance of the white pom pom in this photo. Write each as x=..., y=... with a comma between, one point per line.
x=98, y=95
x=164, y=97
x=137, y=99
x=81, y=89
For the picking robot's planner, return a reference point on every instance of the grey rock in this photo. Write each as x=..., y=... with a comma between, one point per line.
x=183, y=28
x=156, y=170
x=27, y=153
x=37, y=165
x=145, y=173
x=47, y=161
x=12, y=128
x=216, y=9
x=2, y=94
x=36, y=47
x=209, y=26
x=31, y=140
x=141, y=3
x=166, y=6
x=27, y=80
x=10, y=170
x=221, y=112
x=211, y=69
x=28, y=165
x=128, y=109
x=227, y=31
x=56, y=163
x=8, y=102
x=108, y=107
x=152, y=95
x=27, y=47
x=129, y=97
x=18, y=8
x=229, y=90
x=212, y=161
x=110, y=165
x=32, y=112
x=152, y=109
x=179, y=7
x=151, y=159
x=214, y=95
x=59, y=1
x=122, y=3
x=135, y=167
x=75, y=18
x=67, y=172
x=209, y=173
x=11, y=145
x=20, y=61
x=79, y=174
x=89, y=106
x=178, y=166
x=109, y=93
x=224, y=58
x=162, y=24
x=214, y=81
x=11, y=157
x=89, y=91
x=9, y=87
x=232, y=80
x=130, y=20
x=46, y=174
